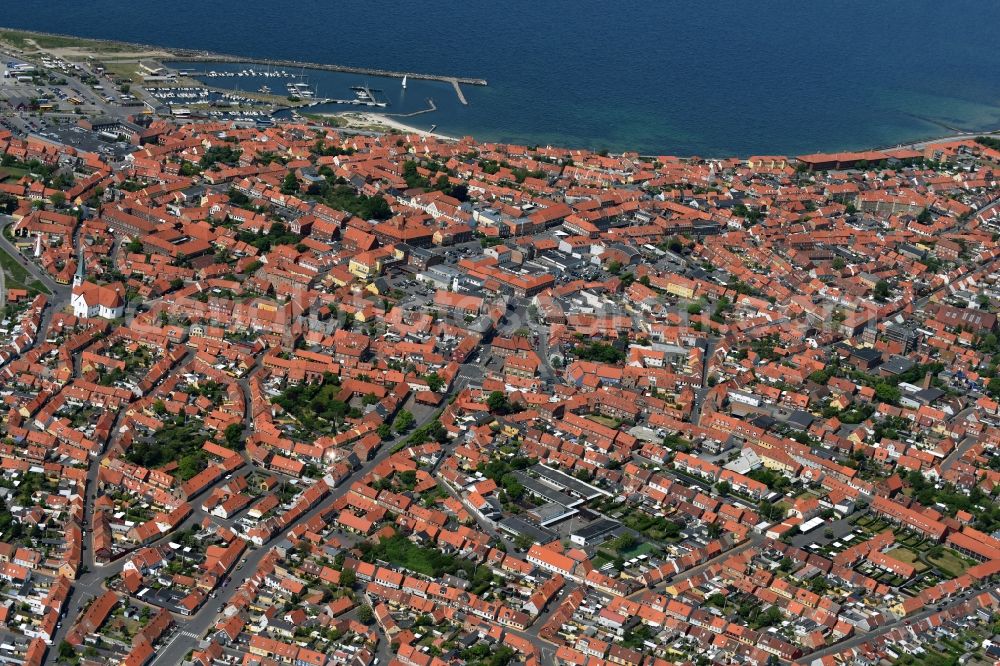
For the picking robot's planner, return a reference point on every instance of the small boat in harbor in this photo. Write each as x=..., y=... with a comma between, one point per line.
x=365, y=94
x=404, y=82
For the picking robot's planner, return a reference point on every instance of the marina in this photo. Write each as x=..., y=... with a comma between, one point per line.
x=534, y=93
x=320, y=92
x=301, y=90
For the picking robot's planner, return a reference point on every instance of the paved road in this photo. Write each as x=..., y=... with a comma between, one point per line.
x=948, y=139
x=200, y=622
x=546, y=650
x=865, y=636
x=957, y=454
x=60, y=292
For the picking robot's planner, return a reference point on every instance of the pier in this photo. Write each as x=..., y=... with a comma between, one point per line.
x=458, y=91
x=203, y=57
x=191, y=55
x=431, y=106
x=182, y=55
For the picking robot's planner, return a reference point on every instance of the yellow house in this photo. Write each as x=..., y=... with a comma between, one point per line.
x=379, y=287
x=775, y=464
x=840, y=402
x=365, y=314
x=682, y=287
x=364, y=266
x=367, y=265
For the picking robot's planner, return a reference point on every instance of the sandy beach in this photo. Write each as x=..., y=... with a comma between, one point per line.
x=378, y=121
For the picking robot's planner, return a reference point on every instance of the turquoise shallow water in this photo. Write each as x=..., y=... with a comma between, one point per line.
x=663, y=77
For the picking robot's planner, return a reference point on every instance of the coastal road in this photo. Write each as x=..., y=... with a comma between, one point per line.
x=947, y=139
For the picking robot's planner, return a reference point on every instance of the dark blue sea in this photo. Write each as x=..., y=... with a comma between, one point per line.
x=657, y=76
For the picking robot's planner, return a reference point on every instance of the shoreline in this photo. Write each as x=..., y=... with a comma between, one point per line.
x=180, y=54
x=362, y=120
x=133, y=51
x=367, y=120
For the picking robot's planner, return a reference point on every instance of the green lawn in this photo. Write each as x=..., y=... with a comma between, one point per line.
x=604, y=420
x=13, y=268
x=908, y=556
x=12, y=173
x=400, y=551
x=17, y=276
x=950, y=563
x=609, y=551
x=22, y=41
x=600, y=559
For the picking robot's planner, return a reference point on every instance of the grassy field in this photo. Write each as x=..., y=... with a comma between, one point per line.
x=14, y=270
x=600, y=559
x=124, y=69
x=950, y=563
x=17, y=277
x=909, y=557
x=603, y=420
x=11, y=173
x=23, y=40
x=402, y=552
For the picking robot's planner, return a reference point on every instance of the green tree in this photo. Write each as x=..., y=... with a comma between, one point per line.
x=403, y=422
x=881, y=291
x=67, y=651
x=887, y=393
x=233, y=435
x=434, y=381
x=498, y=402
x=290, y=185
x=624, y=542
x=189, y=169
x=366, y=614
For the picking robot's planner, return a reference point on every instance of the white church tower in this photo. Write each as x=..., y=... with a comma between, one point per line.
x=81, y=273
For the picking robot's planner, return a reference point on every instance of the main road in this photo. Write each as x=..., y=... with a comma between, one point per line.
x=195, y=626
x=60, y=292
x=865, y=636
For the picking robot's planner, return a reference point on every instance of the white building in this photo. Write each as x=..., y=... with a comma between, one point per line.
x=92, y=300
